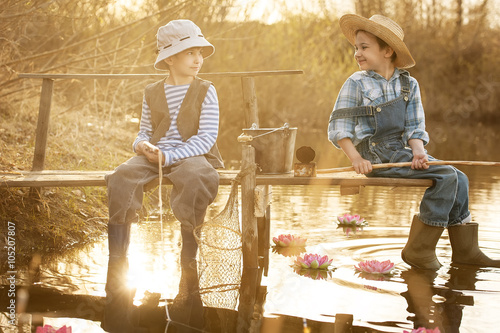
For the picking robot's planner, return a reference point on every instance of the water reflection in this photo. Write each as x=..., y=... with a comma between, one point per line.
x=453, y=298
x=185, y=314
x=439, y=306
x=118, y=305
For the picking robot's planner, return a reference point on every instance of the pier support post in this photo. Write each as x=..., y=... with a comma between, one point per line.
x=248, y=219
x=42, y=127
x=250, y=101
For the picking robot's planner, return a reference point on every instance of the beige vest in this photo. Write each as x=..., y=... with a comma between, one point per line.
x=188, y=120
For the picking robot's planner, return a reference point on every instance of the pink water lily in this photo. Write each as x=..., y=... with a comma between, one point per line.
x=353, y=220
x=313, y=261
x=289, y=241
x=50, y=329
x=375, y=266
x=424, y=330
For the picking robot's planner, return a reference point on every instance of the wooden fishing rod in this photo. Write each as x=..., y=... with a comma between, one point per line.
x=406, y=164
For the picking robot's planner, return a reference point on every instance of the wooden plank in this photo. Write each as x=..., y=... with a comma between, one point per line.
x=262, y=199
x=225, y=178
x=248, y=220
x=264, y=228
x=248, y=320
x=155, y=76
x=65, y=178
x=250, y=108
x=346, y=179
x=42, y=127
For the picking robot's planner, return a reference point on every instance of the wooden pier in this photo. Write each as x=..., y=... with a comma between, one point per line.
x=256, y=219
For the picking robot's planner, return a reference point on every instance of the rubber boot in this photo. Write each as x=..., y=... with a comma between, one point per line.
x=420, y=250
x=189, y=247
x=118, y=240
x=465, y=246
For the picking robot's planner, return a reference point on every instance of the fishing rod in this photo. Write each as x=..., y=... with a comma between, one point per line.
x=407, y=164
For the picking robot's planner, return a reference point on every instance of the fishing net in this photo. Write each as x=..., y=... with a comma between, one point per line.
x=219, y=264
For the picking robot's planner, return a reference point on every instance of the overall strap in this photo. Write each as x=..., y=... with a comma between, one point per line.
x=369, y=109
x=405, y=84
x=352, y=112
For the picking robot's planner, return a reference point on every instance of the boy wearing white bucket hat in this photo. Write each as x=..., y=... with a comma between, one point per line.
x=180, y=119
x=379, y=118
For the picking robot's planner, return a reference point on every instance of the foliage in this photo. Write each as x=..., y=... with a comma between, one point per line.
x=453, y=46
x=93, y=122
x=55, y=221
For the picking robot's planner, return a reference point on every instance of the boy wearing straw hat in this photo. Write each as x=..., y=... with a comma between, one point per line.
x=379, y=118
x=178, y=131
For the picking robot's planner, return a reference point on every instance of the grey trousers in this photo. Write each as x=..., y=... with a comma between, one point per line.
x=195, y=185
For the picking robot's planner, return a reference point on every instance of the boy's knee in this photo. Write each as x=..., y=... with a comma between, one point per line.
x=198, y=168
x=196, y=164
x=462, y=178
x=129, y=169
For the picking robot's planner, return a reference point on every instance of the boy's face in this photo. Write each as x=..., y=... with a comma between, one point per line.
x=186, y=63
x=369, y=55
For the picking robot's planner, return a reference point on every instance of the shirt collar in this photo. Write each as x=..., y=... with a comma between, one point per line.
x=375, y=75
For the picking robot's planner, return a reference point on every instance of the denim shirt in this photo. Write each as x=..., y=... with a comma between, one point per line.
x=365, y=88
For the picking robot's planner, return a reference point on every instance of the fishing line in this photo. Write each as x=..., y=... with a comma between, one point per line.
x=160, y=206
x=160, y=203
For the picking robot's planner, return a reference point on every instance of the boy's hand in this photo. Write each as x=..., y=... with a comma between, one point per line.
x=420, y=157
x=150, y=151
x=359, y=163
x=362, y=166
x=419, y=161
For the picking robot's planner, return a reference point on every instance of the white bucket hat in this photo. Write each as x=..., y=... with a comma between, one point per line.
x=382, y=27
x=177, y=36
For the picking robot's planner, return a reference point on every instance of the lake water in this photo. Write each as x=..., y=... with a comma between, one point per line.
x=457, y=299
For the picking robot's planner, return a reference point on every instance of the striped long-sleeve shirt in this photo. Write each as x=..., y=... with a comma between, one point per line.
x=171, y=143
x=369, y=88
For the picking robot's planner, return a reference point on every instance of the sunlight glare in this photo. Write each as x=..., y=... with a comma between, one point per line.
x=270, y=12
x=124, y=6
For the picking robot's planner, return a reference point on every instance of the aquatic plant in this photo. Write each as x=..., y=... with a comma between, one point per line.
x=289, y=241
x=351, y=223
x=313, y=261
x=375, y=266
x=50, y=329
x=351, y=220
x=424, y=330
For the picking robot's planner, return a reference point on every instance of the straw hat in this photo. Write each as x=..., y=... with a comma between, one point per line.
x=177, y=36
x=382, y=27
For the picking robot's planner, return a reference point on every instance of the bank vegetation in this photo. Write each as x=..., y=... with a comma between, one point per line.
x=93, y=122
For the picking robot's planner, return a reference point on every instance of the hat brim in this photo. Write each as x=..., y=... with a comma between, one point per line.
x=350, y=24
x=208, y=50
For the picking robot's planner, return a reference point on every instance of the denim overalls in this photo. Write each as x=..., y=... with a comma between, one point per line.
x=444, y=204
